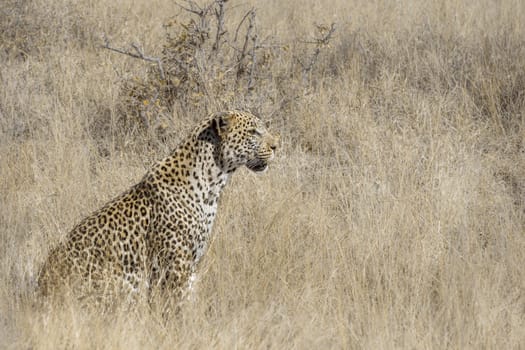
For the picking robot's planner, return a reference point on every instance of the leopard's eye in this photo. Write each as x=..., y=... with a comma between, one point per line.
x=255, y=132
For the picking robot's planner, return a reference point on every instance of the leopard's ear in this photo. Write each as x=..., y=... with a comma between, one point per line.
x=221, y=123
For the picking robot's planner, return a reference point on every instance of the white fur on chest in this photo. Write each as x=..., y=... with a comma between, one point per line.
x=208, y=195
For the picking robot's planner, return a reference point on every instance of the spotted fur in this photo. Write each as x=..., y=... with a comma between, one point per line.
x=155, y=233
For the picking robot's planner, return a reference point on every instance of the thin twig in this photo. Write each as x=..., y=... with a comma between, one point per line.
x=254, y=63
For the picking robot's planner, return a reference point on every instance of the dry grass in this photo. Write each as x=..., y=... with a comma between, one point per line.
x=393, y=218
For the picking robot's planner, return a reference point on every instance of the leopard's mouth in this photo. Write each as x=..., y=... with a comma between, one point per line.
x=257, y=165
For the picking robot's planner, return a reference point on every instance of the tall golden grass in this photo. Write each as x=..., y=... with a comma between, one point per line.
x=394, y=216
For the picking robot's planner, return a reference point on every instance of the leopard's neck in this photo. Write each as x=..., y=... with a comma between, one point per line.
x=195, y=169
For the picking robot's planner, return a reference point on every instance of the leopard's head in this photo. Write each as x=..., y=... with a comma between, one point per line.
x=244, y=140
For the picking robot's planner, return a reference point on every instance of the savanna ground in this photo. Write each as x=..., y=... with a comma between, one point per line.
x=394, y=216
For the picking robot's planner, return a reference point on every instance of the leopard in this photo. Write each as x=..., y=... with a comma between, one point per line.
x=154, y=234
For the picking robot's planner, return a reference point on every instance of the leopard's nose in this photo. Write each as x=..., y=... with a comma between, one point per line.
x=274, y=143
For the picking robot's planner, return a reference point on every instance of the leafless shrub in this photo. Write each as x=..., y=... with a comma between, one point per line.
x=208, y=62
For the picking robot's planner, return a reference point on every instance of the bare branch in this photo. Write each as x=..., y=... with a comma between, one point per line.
x=240, y=69
x=192, y=10
x=240, y=24
x=326, y=38
x=319, y=42
x=139, y=54
x=220, y=24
